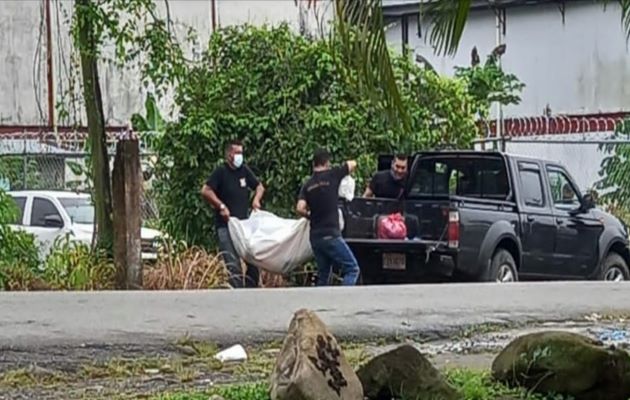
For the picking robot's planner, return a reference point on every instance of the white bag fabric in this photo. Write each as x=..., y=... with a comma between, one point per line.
x=346, y=188
x=275, y=244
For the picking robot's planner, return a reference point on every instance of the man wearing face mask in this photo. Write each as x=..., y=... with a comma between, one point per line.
x=389, y=184
x=227, y=190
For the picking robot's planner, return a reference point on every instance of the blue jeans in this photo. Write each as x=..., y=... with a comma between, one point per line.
x=233, y=263
x=332, y=251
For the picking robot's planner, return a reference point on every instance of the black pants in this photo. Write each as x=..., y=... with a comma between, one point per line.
x=251, y=277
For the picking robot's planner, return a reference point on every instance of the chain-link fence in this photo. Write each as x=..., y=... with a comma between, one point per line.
x=30, y=163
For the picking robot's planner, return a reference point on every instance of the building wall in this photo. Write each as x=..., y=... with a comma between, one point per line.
x=23, y=69
x=579, y=67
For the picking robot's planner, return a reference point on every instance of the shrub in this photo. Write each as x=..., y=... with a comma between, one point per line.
x=285, y=95
x=72, y=265
x=18, y=251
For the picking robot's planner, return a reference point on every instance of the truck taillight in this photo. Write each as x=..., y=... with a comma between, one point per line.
x=453, y=229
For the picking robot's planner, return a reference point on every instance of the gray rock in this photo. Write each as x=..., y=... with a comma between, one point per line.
x=404, y=373
x=565, y=363
x=311, y=366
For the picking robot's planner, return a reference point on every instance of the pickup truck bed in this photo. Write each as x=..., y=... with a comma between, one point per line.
x=485, y=216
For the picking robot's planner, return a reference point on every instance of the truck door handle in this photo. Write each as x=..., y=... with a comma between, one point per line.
x=560, y=221
x=530, y=218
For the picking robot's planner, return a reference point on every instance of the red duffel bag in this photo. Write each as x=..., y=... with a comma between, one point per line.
x=392, y=227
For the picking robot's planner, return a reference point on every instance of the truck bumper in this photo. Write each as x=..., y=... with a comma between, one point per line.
x=403, y=261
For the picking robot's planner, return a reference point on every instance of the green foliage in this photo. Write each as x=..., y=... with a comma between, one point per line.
x=478, y=385
x=488, y=83
x=20, y=172
x=615, y=172
x=285, y=95
x=72, y=265
x=18, y=251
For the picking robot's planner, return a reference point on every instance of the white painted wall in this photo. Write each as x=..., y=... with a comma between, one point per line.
x=23, y=85
x=581, y=66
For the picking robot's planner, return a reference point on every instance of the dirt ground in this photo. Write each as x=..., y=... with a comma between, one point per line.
x=110, y=372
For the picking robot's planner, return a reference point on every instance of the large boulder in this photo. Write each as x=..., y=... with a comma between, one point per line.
x=404, y=373
x=565, y=363
x=311, y=366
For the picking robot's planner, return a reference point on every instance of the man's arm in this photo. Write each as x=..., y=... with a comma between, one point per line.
x=302, y=208
x=211, y=197
x=368, y=192
x=260, y=191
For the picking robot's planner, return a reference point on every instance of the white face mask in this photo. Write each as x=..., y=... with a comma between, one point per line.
x=238, y=160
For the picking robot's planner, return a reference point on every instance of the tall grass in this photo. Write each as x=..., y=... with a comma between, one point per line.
x=180, y=268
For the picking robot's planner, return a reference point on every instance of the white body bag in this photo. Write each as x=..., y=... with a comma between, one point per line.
x=278, y=245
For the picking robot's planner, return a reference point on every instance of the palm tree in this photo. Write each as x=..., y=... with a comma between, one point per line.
x=368, y=55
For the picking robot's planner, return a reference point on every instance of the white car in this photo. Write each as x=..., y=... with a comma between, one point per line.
x=49, y=215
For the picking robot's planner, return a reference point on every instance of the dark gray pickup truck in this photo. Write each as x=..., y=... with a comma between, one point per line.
x=487, y=216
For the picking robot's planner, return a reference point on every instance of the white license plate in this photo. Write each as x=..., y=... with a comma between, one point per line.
x=394, y=261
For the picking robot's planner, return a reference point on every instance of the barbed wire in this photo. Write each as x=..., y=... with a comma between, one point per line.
x=556, y=125
x=64, y=142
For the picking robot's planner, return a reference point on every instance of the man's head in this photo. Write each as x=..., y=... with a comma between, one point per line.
x=567, y=193
x=234, y=153
x=321, y=159
x=399, y=166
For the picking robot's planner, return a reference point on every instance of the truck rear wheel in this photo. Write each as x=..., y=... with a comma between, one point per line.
x=614, y=269
x=502, y=268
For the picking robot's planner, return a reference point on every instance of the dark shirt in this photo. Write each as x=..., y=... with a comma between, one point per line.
x=385, y=186
x=321, y=193
x=232, y=187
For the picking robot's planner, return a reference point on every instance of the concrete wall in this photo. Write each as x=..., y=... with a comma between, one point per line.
x=581, y=66
x=23, y=83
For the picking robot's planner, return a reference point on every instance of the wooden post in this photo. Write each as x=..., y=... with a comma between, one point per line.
x=127, y=189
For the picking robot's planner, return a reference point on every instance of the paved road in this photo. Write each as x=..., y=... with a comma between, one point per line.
x=241, y=316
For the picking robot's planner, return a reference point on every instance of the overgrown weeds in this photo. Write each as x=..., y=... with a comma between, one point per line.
x=180, y=267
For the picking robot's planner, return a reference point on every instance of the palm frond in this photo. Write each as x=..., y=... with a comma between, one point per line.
x=447, y=22
x=361, y=33
x=625, y=15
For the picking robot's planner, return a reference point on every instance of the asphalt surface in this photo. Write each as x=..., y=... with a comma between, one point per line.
x=245, y=316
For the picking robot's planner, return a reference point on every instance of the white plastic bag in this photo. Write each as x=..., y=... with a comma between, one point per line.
x=275, y=244
x=346, y=188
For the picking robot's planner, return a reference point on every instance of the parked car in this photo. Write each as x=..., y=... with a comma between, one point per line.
x=50, y=215
x=487, y=216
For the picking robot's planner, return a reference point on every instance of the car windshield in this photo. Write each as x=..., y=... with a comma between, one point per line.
x=80, y=210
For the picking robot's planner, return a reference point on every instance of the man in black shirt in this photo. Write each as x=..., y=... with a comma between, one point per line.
x=389, y=184
x=318, y=201
x=227, y=190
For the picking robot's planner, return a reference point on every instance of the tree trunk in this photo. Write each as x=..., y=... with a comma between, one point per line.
x=88, y=43
x=127, y=190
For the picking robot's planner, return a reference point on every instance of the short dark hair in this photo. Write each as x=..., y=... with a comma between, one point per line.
x=401, y=156
x=320, y=157
x=232, y=143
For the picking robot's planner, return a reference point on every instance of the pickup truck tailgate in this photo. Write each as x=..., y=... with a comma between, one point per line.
x=399, y=261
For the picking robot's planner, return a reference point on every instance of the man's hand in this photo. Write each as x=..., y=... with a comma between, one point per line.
x=302, y=208
x=256, y=205
x=352, y=166
x=225, y=213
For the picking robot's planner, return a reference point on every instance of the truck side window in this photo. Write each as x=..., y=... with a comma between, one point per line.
x=562, y=192
x=532, y=188
x=42, y=208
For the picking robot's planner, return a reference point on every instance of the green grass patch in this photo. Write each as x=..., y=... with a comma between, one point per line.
x=472, y=385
